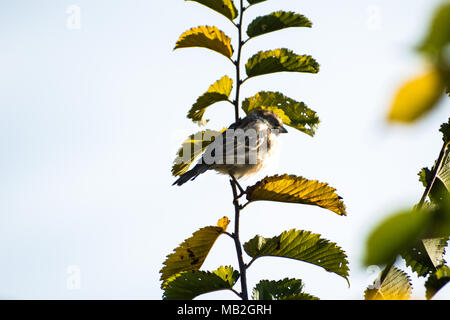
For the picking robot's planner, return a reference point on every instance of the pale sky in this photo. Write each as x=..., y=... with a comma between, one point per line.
x=91, y=118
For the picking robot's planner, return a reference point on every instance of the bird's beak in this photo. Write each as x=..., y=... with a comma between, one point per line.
x=282, y=129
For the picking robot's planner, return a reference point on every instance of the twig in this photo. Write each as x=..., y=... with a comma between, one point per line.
x=237, y=242
x=238, y=62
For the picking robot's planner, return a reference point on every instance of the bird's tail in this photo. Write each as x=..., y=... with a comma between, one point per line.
x=191, y=174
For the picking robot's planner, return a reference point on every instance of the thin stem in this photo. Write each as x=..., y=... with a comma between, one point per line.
x=229, y=234
x=250, y=263
x=237, y=293
x=238, y=63
x=241, y=190
x=237, y=242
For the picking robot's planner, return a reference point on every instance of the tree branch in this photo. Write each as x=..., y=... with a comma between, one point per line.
x=238, y=63
x=237, y=242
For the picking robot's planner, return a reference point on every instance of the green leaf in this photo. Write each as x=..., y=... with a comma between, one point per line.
x=441, y=185
x=191, y=254
x=303, y=246
x=219, y=91
x=445, y=130
x=395, y=286
x=190, y=284
x=426, y=256
x=294, y=114
x=444, y=172
x=438, y=36
x=206, y=37
x=424, y=176
x=395, y=235
x=436, y=281
x=293, y=189
x=286, y=289
x=192, y=147
x=276, y=21
x=280, y=60
x=439, y=190
x=225, y=7
x=417, y=97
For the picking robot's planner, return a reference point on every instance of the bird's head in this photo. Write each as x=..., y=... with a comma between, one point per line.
x=271, y=118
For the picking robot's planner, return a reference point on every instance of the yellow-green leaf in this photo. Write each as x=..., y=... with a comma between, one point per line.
x=293, y=189
x=276, y=21
x=395, y=286
x=417, y=97
x=192, y=147
x=280, y=60
x=190, y=284
x=303, y=246
x=225, y=7
x=206, y=37
x=191, y=254
x=219, y=91
x=294, y=114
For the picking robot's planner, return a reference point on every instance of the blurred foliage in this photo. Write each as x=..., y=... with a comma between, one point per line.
x=419, y=96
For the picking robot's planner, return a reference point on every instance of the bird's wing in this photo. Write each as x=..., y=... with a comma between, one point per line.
x=236, y=146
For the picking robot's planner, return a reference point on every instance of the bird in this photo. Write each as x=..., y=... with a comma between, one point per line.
x=241, y=150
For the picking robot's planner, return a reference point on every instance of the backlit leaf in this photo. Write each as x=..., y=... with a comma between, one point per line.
x=276, y=21
x=436, y=281
x=294, y=114
x=225, y=7
x=286, y=289
x=441, y=185
x=396, y=286
x=417, y=97
x=191, y=254
x=303, y=246
x=192, y=147
x=280, y=60
x=206, y=37
x=426, y=256
x=219, y=91
x=444, y=173
x=293, y=189
x=190, y=284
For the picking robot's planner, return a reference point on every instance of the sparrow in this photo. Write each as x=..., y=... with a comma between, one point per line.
x=241, y=150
